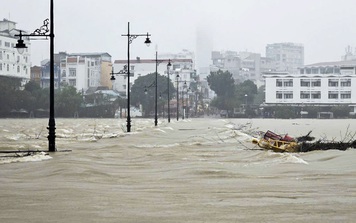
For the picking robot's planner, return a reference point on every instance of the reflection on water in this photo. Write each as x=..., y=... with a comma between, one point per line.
x=195, y=170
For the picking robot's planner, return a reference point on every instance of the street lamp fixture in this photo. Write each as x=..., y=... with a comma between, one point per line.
x=123, y=71
x=130, y=38
x=169, y=109
x=45, y=31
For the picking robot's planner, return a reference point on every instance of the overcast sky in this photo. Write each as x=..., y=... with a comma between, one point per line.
x=324, y=27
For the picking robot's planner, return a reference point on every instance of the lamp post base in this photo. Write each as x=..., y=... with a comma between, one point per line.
x=128, y=125
x=51, y=135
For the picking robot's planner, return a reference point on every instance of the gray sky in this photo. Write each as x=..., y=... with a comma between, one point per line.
x=324, y=27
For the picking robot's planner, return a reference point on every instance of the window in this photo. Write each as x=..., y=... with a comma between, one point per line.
x=288, y=83
x=72, y=72
x=7, y=44
x=333, y=95
x=304, y=95
x=316, y=83
x=279, y=83
x=279, y=95
x=0, y=66
x=315, y=70
x=288, y=95
x=72, y=83
x=64, y=73
x=345, y=83
x=0, y=55
x=329, y=70
x=7, y=67
x=333, y=83
x=322, y=70
x=18, y=69
x=315, y=95
x=345, y=95
x=305, y=83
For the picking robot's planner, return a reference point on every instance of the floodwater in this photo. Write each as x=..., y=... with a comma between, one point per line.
x=193, y=170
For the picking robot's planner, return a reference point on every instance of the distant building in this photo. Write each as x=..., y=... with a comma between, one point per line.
x=13, y=64
x=243, y=65
x=84, y=70
x=286, y=56
x=45, y=74
x=320, y=84
x=349, y=55
x=36, y=74
x=141, y=67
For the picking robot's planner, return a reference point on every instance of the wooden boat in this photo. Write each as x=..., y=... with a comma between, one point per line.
x=276, y=143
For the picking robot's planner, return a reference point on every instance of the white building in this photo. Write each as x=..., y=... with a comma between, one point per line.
x=13, y=64
x=329, y=84
x=286, y=56
x=141, y=67
x=85, y=70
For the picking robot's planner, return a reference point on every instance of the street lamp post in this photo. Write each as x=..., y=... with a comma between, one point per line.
x=169, y=109
x=184, y=87
x=177, y=97
x=188, y=102
x=130, y=38
x=157, y=63
x=43, y=32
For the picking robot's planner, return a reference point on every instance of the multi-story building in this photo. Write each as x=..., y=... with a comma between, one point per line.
x=226, y=61
x=36, y=74
x=243, y=65
x=45, y=74
x=12, y=63
x=84, y=70
x=141, y=67
x=321, y=84
x=287, y=57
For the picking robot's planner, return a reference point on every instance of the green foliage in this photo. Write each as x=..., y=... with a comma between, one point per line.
x=246, y=88
x=285, y=112
x=67, y=101
x=147, y=101
x=260, y=96
x=222, y=83
x=8, y=93
x=341, y=111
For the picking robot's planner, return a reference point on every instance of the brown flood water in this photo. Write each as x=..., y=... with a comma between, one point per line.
x=195, y=170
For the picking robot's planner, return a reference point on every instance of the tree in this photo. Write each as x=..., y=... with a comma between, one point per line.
x=246, y=88
x=8, y=88
x=67, y=101
x=147, y=82
x=222, y=83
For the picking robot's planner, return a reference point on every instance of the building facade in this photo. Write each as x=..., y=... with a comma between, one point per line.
x=84, y=70
x=286, y=56
x=321, y=84
x=12, y=63
x=141, y=67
